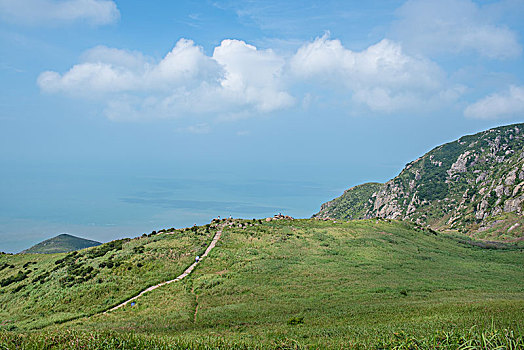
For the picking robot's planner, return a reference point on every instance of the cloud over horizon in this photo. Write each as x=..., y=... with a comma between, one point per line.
x=454, y=26
x=398, y=73
x=36, y=12
x=239, y=80
x=185, y=81
x=499, y=105
x=381, y=77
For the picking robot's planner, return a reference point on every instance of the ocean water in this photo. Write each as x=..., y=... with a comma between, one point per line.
x=105, y=202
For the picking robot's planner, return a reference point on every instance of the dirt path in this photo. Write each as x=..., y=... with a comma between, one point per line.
x=184, y=274
x=196, y=307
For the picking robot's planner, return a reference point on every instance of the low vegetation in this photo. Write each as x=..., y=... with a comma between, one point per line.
x=43, y=289
x=287, y=284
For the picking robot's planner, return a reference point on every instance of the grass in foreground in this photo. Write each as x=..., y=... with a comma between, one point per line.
x=69, y=340
x=313, y=284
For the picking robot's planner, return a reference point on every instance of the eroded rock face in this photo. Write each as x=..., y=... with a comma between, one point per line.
x=517, y=189
x=468, y=181
x=499, y=190
x=386, y=201
x=460, y=165
x=481, y=177
x=514, y=205
x=510, y=179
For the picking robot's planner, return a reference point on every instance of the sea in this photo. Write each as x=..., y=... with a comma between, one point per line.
x=106, y=202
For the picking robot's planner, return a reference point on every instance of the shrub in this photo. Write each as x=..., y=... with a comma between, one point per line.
x=138, y=250
x=16, y=278
x=28, y=263
x=41, y=278
x=105, y=248
x=293, y=321
x=18, y=288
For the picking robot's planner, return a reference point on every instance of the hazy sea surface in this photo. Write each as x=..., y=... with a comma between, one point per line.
x=109, y=202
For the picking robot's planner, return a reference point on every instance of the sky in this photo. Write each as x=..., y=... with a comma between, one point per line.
x=122, y=117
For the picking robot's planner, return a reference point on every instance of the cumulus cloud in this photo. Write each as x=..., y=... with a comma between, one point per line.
x=252, y=75
x=236, y=78
x=106, y=70
x=381, y=76
x=34, y=12
x=454, y=26
x=500, y=105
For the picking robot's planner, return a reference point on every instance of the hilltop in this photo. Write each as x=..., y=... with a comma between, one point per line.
x=473, y=185
x=283, y=283
x=62, y=243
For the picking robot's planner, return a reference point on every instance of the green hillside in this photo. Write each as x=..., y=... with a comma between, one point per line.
x=39, y=289
x=279, y=284
x=474, y=185
x=61, y=244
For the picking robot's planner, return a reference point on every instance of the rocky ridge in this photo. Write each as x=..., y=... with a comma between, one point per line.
x=474, y=184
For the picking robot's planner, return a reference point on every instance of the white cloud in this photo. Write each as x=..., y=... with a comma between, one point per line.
x=115, y=57
x=381, y=76
x=238, y=80
x=34, y=12
x=453, y=26
x=252, y=76
x=185, y=81
x=505, y=104
x=88, y=78
x=106, y=70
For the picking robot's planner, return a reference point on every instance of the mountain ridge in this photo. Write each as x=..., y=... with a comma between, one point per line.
x=474, y=185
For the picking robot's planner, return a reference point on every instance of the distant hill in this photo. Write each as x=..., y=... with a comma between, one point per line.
x=61, y=244
x=474, y=185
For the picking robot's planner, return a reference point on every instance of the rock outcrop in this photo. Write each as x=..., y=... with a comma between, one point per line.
x=466, y=185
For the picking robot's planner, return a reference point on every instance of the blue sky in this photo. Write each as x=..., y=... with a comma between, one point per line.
x=118, y=117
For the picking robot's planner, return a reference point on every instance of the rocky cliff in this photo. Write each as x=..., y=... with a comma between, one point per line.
x=474, y=184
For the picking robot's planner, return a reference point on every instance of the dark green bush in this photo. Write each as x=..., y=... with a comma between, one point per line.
x=105, y=248
x=16, y=278
x=293, y=321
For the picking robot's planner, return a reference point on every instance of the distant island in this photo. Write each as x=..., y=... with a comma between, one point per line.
x=62, y=243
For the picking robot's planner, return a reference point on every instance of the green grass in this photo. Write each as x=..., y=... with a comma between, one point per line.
x=309, y=284
x=69, y=340
x=60, y=287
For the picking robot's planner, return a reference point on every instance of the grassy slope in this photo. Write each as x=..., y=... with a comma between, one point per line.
x=355, y=282
x=61, y=244
x=58, y=287
x=352, y=204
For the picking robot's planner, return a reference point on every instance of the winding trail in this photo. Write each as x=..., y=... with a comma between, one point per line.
x=196, y=307
x=184, y=274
